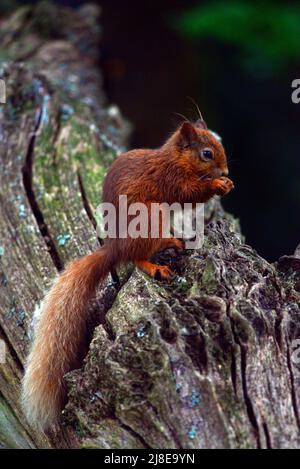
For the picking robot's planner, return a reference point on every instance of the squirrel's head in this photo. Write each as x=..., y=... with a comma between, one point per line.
x=200, y=151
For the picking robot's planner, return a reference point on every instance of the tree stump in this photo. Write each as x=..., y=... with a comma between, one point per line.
x=208, y=360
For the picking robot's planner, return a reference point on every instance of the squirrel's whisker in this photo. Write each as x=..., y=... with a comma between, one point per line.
x=196, y=105
x=181, y=115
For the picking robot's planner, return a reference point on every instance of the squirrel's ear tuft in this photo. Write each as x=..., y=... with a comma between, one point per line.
x=201, y=124
x=188, y=134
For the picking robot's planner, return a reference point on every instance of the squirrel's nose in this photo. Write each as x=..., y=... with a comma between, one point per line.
x=225, y=172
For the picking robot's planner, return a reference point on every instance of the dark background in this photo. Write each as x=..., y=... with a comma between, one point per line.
x=237, y=60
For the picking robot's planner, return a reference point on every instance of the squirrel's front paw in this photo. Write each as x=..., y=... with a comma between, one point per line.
x=222, y=185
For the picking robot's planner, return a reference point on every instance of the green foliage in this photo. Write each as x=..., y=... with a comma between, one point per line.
x=266, y=34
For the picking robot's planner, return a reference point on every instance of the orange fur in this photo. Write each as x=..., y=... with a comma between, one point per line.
x=176, y=172
x=59, y=337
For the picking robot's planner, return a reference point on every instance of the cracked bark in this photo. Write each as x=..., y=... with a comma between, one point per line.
x=205, y=361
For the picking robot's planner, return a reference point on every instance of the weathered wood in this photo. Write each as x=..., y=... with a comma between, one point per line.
x=54, y=128
x=206, y=360
x=202, y=362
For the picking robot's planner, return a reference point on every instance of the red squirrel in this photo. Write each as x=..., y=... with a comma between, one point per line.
x=191, y=167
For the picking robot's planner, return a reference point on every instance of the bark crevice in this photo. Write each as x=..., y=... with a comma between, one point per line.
x=27, y=173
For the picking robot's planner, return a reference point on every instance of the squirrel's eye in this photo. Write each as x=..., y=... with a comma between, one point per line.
x=207, y=154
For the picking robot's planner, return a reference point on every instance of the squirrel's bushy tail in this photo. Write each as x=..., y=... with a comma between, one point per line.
x=59, y=336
